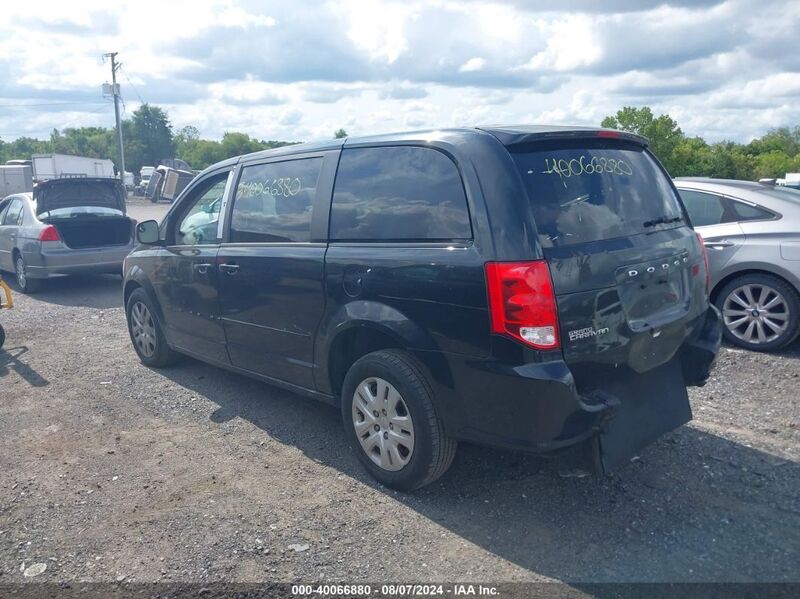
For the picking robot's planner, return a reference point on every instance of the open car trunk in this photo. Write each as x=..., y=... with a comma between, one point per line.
x=86, y=211
x=88, y=231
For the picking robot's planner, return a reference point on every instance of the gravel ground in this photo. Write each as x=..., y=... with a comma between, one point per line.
x=111, y=471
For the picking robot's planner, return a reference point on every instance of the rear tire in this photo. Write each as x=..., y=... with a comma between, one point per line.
x=24, y=282
x=409, y=448
x=768, y=302
x=2, y=336
x=146, y=333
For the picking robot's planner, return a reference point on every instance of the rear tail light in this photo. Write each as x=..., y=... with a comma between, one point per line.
x=704, y=250
x=49, y=233
x=608, y=134
x=522, y=304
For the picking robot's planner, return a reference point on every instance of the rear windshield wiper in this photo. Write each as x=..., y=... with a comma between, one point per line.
x=662, y=220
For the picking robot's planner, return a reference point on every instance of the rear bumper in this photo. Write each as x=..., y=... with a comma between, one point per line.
x=698, y=354
x=537, y=407
x=44, y=264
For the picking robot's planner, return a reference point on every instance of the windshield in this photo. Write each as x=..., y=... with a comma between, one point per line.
x=590, y=190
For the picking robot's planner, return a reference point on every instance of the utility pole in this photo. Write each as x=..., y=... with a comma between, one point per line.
x=115, y=91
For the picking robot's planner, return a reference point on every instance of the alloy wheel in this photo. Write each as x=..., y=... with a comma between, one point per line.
x=143, y=329
x=22, y=277
x=383, y=423
x=756, y=313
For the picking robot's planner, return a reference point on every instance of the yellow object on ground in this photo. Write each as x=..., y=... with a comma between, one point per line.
x=6, y=301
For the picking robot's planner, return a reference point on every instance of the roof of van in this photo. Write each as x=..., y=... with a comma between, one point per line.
x=507, y=135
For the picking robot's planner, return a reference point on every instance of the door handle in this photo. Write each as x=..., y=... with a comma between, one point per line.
x=229, y=269
x=718, y=245
x=202, y=267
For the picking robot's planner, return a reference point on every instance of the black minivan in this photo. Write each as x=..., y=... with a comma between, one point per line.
x=531, y=288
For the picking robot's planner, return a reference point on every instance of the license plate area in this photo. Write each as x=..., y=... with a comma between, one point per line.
x=654, y=292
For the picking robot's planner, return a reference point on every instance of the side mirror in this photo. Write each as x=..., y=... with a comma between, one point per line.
x=147, y=232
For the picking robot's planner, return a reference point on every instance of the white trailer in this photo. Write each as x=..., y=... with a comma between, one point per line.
x=792, y=180
x=15, y=179
x=54, y=166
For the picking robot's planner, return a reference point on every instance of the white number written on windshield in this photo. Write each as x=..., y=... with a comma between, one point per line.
x=576, y=167
x=284, y=186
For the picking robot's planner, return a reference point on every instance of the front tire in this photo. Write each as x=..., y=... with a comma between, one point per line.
x=24, y=282
x=146, y=333
x=760, y=312
x=391, y=421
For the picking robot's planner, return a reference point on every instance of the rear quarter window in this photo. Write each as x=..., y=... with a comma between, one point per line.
x=591, y=190
x=745, y=212
x=403, y=193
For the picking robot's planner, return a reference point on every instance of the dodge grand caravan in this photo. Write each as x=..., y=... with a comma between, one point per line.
x=525, y=287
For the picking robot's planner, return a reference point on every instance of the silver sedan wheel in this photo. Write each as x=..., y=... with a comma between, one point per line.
x=756, y=313
x=383, y=424
x=143, y=329
x=22, y=277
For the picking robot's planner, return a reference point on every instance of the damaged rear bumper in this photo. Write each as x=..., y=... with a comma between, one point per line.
x=646, y=407
x=699, y=352
x=537, y=407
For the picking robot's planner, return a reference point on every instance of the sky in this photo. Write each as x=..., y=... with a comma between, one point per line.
x=299, y=70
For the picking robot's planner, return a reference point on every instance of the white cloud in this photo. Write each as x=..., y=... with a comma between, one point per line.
x=378, y=27
x=571, y=43
x=473, y=64
x=296, y=71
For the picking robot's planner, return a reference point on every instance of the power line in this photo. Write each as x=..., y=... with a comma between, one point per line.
x=138, y=95
x=50, y=104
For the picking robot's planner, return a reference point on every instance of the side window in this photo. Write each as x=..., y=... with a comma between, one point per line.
x=403, y=193
x=14, y=213
x=198, y=224
x=3, y=209
x=704, y=208
x=748, y=212
x=273, y=201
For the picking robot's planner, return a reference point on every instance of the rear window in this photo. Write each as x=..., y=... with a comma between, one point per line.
x=404, y=193
x=595, y=189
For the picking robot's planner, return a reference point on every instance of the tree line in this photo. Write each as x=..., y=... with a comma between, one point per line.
x=150, y=137
x=770, y=156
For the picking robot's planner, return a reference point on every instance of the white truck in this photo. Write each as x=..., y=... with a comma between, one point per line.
x=55, y=166
x=15, y=179
x=144, y=178
x=792, y=180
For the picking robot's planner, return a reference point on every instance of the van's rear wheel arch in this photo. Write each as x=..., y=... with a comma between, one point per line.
x=351, y=345
x=358, y=341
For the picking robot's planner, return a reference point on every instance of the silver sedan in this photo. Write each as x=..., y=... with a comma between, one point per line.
x=752, y=235
x=65, y=226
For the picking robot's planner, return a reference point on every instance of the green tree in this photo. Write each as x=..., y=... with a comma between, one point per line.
x=148, y=137
x=691, y=157
x=339, y=134
x=782, y=139
x=662, y=131
x=235, y=144
x=775, y=163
